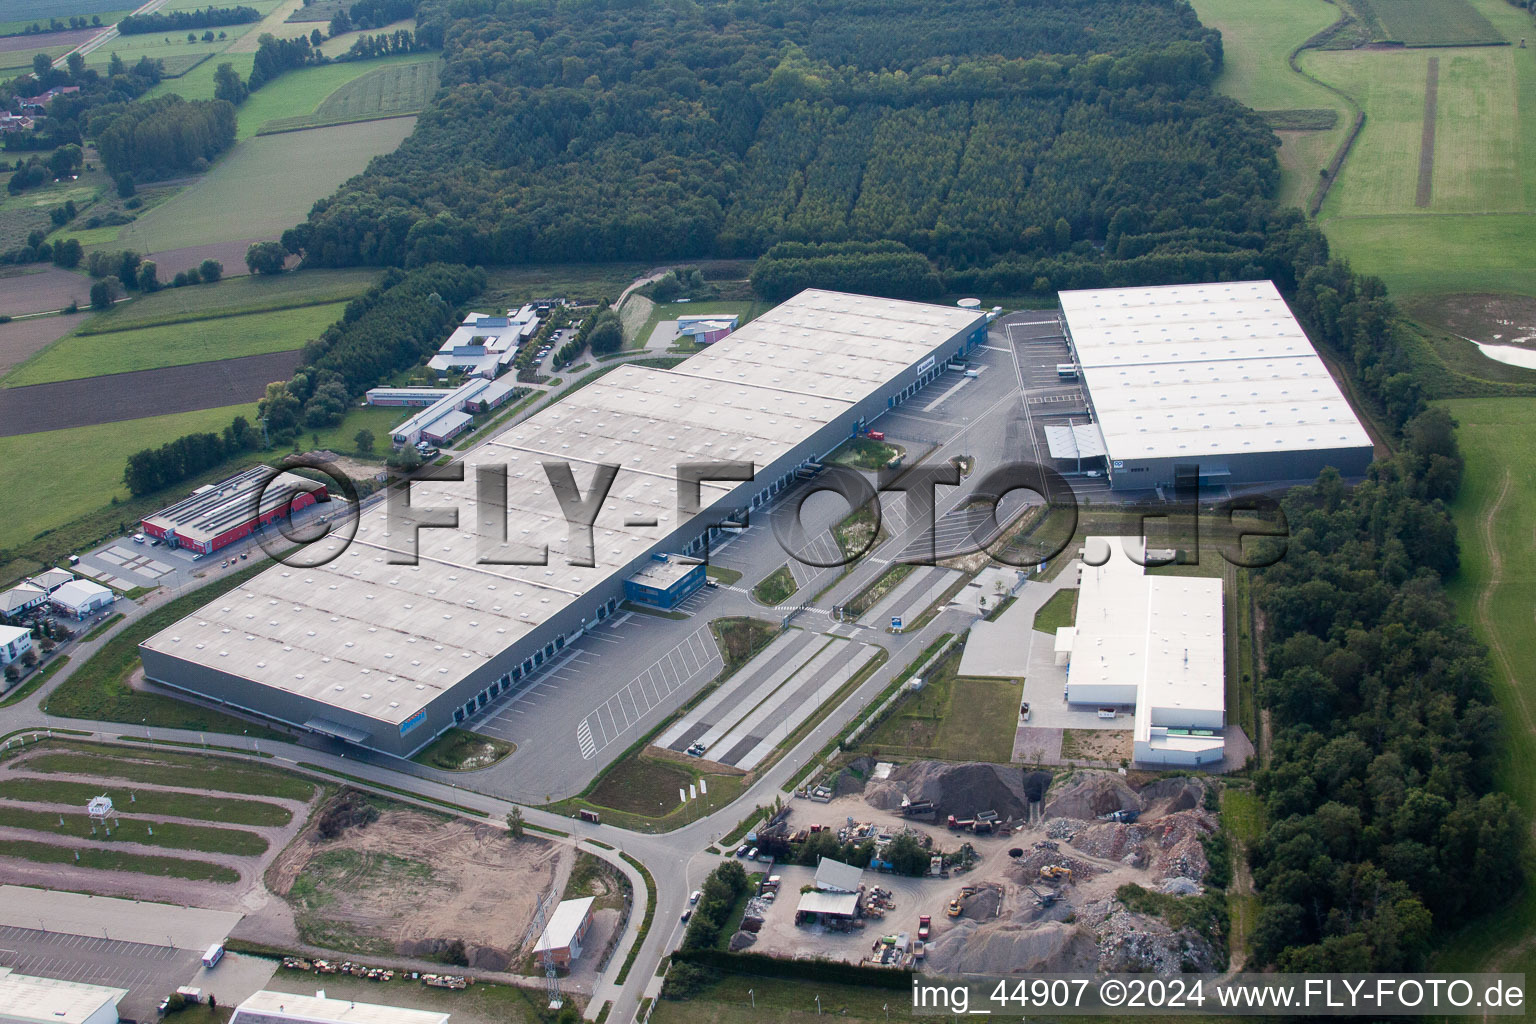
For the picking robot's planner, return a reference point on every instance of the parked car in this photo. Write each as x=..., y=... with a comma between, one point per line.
x=687, y=914
x=694, y=897
x=741, y=851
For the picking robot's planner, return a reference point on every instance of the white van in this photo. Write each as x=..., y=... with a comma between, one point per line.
x=214, y=955
x=138, y=538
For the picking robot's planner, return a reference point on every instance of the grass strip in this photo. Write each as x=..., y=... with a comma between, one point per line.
x=112, y=860
x=205, y=839
x=27, y=688
x=224, y=810
x=645, y=923
x=217, y=774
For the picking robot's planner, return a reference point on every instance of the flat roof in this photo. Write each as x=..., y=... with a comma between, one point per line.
x=231, y=502
x=1158, y=640
x=268, y=1007
x=384, y=640
x=663, y=573
x=1204, y=370
x=564, y=923
x=27, y=998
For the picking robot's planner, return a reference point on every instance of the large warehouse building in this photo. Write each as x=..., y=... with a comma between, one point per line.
x=1153, y=642
x=389, y=655
x=1218, y=378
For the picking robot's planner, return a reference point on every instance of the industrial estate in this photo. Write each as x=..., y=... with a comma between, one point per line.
x=654, y=513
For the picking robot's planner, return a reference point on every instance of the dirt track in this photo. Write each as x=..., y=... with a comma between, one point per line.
x=128, y=396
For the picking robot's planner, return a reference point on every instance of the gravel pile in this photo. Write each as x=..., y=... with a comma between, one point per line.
x=958, y=789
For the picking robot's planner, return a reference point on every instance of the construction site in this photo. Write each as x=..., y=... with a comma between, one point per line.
x=1026, y=873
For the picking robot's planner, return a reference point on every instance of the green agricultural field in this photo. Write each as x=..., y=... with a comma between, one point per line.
x=1495, y=516
x=232, y=297
x=43, y=499
x=264, y=186
x=203, y=807
x=194, y=341
x=301, y=93
x=392, y=91
x=1477, y=148
x=21, y=13
x=1430, y=22
x=197, y=84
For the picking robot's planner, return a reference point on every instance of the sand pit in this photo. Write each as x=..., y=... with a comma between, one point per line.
x=411, y=883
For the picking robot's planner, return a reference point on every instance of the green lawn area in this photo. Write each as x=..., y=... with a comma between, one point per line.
x=781, y=1000
x=111, y=860
x=1431, y=22
x=864, y=453
x=952, y=718
x=459, y=750
x=40, y=499
x=739, y=639
x=167, y=768
x=672, y=310
x=232, y=296
x=263, y=186
x=197, y=84
x=224, y=810
x=143, y=831
x=192, y=341
x=1495, y=515
x=1060, y=609
x=722, y=574
x=1256, y=37
x=775, y=588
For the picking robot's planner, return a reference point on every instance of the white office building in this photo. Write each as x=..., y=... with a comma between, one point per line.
x=1152, y=642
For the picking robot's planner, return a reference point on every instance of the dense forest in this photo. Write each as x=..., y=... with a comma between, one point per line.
x=1385, y=830
x=156, y=138
x=602, y=131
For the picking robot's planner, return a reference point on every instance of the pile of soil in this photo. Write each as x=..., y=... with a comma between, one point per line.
x=1005, y=947
x=1089, y=794
x=1165, y=796
x=958, y=789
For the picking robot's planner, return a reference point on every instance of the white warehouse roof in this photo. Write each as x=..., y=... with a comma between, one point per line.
x=25, y=1000
x=267, y=1007
x=1204, y=369
x=385, y=640
x=1152, y=641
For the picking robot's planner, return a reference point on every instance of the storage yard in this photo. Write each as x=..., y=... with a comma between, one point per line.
x=1028, y=884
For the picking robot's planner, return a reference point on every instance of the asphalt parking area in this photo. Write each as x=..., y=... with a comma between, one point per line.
x=148, y=972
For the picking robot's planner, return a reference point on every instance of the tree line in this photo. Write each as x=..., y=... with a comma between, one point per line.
x=388, y=328
x=181, y=21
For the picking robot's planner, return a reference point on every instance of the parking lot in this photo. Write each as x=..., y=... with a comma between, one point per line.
x=149, y=972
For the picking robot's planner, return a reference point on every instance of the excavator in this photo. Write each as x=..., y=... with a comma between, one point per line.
x=1051, y=872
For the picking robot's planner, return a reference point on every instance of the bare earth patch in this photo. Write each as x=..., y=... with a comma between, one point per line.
x=19, y=339
x=41, y=289
x=409, y=884
x=1488, y=318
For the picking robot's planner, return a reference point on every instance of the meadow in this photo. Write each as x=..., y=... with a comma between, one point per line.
x=189, y=341
x=264, y=186
x=1495, y=515
x=1256, y=39
x=38, y=498
x=232, y=296
x=1477, y=146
